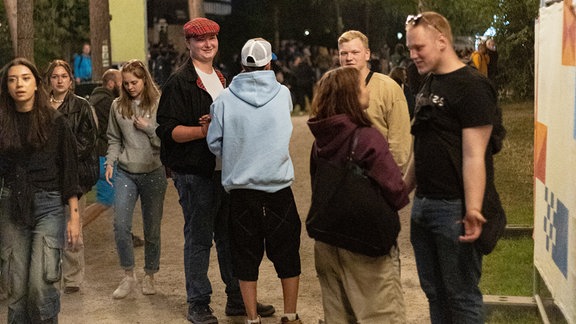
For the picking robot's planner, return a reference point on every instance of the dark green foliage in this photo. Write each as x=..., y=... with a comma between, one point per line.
x=6, y=51
x=515, y=39
x=467, y=18
x=61, y=26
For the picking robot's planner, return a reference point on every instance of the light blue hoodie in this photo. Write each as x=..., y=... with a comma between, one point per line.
x=250, y=131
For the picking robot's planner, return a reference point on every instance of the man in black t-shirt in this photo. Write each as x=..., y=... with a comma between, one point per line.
x=450, y=169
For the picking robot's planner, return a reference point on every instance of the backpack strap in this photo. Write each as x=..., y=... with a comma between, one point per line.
x=369, y=76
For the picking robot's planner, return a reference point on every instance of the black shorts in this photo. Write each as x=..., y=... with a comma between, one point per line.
x=261, y=220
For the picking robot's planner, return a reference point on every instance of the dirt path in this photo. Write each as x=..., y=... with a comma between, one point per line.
x=94, y=304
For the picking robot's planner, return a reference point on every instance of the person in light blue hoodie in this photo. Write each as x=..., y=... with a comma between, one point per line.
x=250, y=130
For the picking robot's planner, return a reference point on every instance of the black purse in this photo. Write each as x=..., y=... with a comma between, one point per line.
x=348, y=210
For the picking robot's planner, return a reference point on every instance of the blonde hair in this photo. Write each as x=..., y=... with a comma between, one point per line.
x=434, y=20
x=150, y=92
x=353, y=34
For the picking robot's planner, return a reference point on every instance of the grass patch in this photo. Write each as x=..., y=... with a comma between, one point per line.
x=508, y=270
x=514, y=165
x=515, y=316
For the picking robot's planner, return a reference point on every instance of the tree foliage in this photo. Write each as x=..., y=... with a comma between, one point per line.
x=60, y=28
x=515, y=38
x=467, y=18
x=382, y=20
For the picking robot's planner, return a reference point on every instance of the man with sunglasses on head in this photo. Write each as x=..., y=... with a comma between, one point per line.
x=183, y=118
x=388, y=109
x=451, y=169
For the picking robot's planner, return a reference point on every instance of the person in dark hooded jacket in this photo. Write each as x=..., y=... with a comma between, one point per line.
x=356, y=288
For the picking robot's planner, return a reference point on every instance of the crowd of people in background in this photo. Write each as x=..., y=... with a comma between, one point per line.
x=299, y=66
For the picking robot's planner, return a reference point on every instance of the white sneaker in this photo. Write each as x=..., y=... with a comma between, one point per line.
x=126, y=286
x=148, y=285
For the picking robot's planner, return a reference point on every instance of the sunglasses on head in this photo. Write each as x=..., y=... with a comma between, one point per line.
x=414, y=20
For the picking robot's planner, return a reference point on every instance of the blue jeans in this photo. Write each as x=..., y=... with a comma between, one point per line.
x=222, y=240
x=151, y=188
x=104, y=191
x=449, y=271
x=199, y=200
x=30, y=259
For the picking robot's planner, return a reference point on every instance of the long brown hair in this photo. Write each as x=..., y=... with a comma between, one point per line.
x=337, y=93
x=41, y=114
x=150, y=92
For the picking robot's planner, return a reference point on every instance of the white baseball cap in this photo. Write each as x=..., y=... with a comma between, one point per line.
x=257, y=52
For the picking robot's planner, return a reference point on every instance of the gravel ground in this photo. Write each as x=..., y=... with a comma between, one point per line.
x=94, y=303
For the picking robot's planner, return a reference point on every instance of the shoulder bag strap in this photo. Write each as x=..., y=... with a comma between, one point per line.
x=353, y=143
x=369, y=76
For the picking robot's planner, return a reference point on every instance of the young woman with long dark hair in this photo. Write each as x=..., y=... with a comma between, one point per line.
x=38, y=176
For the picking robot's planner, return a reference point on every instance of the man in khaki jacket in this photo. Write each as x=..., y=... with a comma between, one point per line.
x=388, y=109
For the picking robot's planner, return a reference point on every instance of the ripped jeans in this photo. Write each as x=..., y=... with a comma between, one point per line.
x=30, y=259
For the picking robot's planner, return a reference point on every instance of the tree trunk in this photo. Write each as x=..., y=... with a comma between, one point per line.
x=196, y=8
x=25, y=30
x=100, y=37
x=12, y=16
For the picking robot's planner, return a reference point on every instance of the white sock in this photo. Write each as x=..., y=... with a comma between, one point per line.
x=291, y=316
x=254, y=321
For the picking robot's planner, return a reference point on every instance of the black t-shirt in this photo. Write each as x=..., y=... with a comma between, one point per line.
x=446, y=104
x=53, y=167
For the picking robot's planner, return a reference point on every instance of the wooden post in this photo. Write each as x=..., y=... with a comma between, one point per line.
x=12, y=16
x=100, y=37
x=25, y=30
x=196, y=8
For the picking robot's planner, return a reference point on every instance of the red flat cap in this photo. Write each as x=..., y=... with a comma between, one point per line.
x=199, y=27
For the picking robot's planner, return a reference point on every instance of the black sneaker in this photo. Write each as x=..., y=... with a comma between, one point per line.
x=201, y=314
x=237, y=309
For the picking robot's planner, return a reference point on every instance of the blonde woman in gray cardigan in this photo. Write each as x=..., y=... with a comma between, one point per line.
x=135, y=150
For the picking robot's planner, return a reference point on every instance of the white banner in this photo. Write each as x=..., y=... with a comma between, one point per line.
x=555, y=158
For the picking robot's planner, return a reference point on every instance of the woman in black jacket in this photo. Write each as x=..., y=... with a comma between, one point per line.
x=80, y=117
x=38, y=174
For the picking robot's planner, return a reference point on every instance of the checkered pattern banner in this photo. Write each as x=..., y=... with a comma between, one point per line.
x=555, y=155
x=556, y=230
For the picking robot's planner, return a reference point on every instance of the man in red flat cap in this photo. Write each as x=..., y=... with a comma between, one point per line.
x=183, y=117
